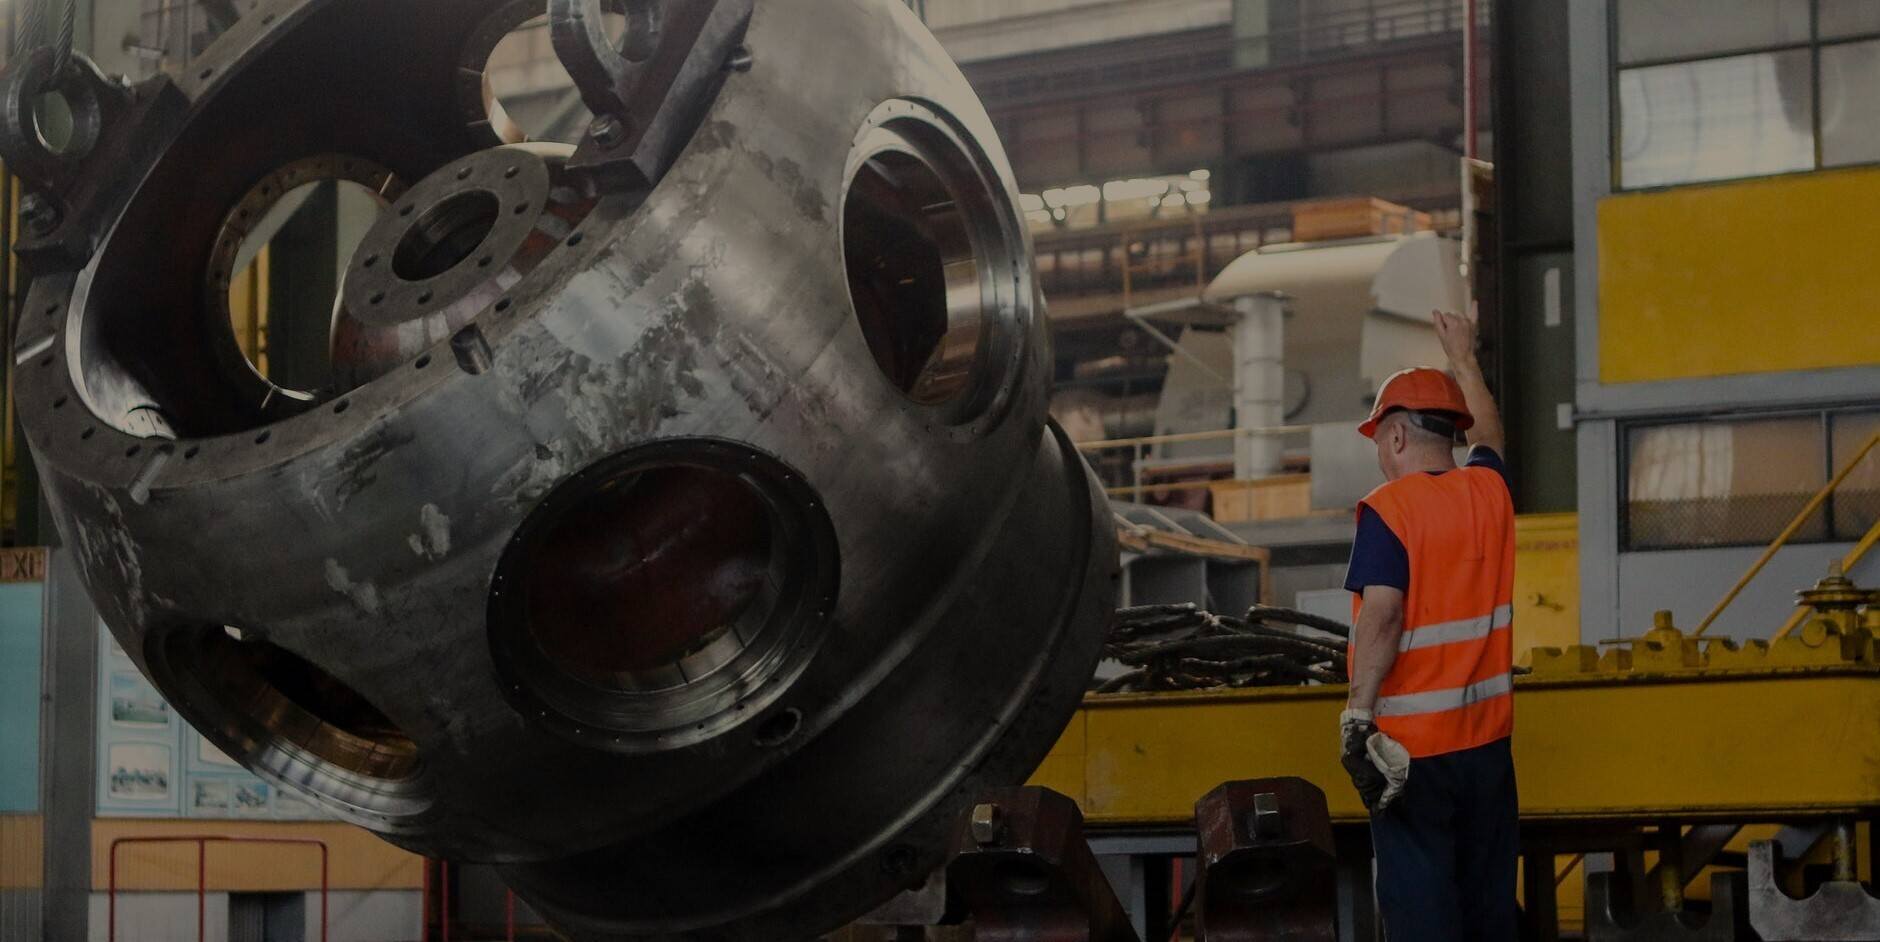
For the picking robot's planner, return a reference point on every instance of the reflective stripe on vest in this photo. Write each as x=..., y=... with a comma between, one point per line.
x=1450, y=632
x=1437, y=701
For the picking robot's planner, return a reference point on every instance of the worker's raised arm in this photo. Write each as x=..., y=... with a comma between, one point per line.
x=1458, y=336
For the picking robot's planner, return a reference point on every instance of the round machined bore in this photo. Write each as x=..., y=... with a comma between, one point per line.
x=446, y=235
x=928, y=242
x=281, y=713
x=248, y=260
x=664, y=595
x=653, y=569
x=914, y=276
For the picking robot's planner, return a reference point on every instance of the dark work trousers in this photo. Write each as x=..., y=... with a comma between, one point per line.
x=1447, y=849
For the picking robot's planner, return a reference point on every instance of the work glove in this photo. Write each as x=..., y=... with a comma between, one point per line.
x=1379, y=766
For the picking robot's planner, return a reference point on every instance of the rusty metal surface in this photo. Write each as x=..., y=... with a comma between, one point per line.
x=1266, y=863
x=1839, y=911
x=612, y=553
x=1021, y=872
x=1727, y=921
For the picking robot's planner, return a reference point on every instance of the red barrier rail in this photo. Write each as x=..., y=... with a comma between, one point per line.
x=439, y=887
x=202, y=843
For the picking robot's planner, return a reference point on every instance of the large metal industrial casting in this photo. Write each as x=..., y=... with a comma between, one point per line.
x=680, y=527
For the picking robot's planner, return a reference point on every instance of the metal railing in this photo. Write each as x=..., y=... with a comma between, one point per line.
x=1138, y=449
x=1188, y=262
x=1217, y=51
x=439, y=929
x=202, y=843
x=1165, y=254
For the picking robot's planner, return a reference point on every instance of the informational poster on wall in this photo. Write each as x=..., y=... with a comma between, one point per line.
x=153, y=765
x=22, y=628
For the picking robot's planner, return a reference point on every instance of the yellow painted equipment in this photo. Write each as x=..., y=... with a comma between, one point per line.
x=1546, y=581
x=1664, y=725
x=1602, y=743
x=1692, y=279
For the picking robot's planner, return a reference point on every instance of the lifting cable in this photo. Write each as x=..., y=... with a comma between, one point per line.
x=32, y=24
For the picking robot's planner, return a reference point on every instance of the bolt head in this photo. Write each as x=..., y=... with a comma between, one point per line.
x=607, y=131
x=987, y=824
x=1266, y=822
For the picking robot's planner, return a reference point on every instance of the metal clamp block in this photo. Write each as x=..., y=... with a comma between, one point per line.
x=1841, y=911
x=1728, y=920
x=1266, y=857
x=1573, y=659
x=1022, y=872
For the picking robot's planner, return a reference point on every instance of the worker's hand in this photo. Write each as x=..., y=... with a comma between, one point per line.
x=1379, y=766
x=1457, y=334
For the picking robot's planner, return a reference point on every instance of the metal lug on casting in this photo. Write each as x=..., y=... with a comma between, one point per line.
x=740, y=61
x=39, y=214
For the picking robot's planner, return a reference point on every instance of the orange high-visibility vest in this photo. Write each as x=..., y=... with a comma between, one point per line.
x=1452, y=685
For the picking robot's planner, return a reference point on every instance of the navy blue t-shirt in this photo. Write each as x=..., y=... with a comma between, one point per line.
x=1378, y=557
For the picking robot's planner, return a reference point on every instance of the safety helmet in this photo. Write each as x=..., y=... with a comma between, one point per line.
x=1420, y=389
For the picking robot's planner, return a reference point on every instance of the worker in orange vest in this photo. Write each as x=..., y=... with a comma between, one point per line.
x=1426, y=730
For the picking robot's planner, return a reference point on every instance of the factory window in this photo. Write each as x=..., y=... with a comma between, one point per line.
x=1850, y=111
x=1856, y=506
x=1725, y=89
x=1740, y=482
x=1680, y=29
x=1843, y=18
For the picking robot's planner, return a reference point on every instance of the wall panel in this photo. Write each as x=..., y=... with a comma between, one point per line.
x=1758, y=276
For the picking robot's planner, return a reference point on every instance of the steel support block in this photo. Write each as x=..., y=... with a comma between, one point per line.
x=1021, y=872
x=1841, y=911
x=1267, y=861
x=1728, y=920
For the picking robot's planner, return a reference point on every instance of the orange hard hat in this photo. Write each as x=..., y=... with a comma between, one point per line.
x=1419, y=390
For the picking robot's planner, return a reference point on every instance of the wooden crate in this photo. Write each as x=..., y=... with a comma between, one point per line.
x=1276, y=498
x=1354, y=218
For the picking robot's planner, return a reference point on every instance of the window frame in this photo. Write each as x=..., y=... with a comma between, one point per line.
x=1814, y=44
x=1825, y=417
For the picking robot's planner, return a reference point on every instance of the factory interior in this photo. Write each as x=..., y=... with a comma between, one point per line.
x=892, y=470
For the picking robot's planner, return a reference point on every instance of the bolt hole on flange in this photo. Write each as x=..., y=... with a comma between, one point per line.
x=666, y=595
x=780, y=728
